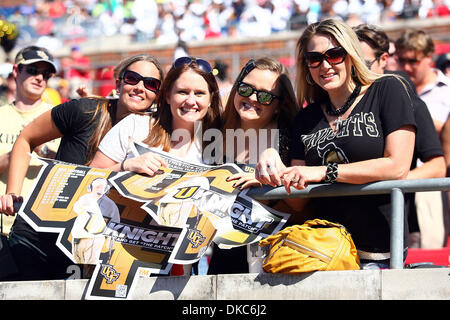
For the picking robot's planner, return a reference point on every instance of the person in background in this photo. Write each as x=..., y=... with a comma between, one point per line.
x=427, y=148
x=76, y=69
x=81, y=124
x=358, y=127
x=392, y=62
x=221, y=72
x=33, y=67
x=443, y=63
x=8, y=94
x=261, y=100
x=64, y=90
x=445, y=140
x=415, y=49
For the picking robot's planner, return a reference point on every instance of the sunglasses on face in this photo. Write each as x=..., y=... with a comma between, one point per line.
x=133, y=78
x=333, y=56
x=34, y=71
x=202, y=64
x=404, y=61
x=370, y=63
x=263, y=97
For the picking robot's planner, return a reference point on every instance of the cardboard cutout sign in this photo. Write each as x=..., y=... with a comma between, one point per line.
x=130, y=225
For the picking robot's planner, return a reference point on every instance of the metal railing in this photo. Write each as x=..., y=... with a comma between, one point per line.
x=396, y=188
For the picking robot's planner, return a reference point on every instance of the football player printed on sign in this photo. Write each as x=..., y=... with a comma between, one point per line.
x=199, y=234
x=179, y=209
x=88, y=229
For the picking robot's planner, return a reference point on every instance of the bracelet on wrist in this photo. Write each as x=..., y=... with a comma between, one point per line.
x=122, y=165
x=332, y=172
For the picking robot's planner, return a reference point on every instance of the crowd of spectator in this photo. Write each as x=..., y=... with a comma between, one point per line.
x=58, y=22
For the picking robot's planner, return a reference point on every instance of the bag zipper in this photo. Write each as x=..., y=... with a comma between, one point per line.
x=308, y=251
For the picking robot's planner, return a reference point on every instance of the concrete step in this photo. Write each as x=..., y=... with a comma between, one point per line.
x=406, y=284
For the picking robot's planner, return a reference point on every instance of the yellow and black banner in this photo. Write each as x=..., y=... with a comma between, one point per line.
x=130, y=225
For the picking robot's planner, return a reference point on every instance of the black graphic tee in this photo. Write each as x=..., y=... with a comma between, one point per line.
x=384, y=108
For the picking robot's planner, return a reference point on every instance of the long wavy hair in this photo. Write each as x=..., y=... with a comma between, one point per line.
x=105, y=114
x=161, y=121
x=344, y=35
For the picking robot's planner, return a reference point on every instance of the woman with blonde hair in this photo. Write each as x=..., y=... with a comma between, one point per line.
x=358, y=127
x=80, y=124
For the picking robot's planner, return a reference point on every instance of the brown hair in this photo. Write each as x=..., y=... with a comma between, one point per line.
x=416, y=40
x=376, y=38
x=161, y=121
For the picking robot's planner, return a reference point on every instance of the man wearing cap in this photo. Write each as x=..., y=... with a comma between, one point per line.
x=32, y=68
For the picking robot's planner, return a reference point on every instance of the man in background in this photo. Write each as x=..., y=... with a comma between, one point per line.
x=424, y=232
x=415, y=50
x=32, y=68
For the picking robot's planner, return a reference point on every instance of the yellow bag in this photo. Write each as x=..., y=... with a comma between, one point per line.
x=313, y=246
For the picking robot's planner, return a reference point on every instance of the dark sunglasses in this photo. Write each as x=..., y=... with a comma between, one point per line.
x=404, y=61
x=133, y=78
x=263, y=97
x=34, y=71
x=202, y=64
x=333, y=56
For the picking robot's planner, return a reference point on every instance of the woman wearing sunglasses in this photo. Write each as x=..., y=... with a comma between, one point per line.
x=262, y=103
x=188, y=95
x=80, y=124
x=358, y=127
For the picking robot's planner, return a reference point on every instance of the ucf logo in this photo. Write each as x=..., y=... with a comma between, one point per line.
x=195, y=238
x=109, y=273
x=186, y=192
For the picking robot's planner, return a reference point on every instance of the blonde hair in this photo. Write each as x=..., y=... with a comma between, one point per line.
x=344, y=35
x=106, y=109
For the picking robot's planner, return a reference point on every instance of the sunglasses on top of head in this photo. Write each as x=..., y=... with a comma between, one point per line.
x=263, y=97
x=34, y=71
x=333, y=56
x=133, y=78
x=202, y=64
x=249, y=66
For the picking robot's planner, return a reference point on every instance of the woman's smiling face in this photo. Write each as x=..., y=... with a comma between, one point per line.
x=189, y=99
x=249, y=109
x=136, y=98
x=330, y=77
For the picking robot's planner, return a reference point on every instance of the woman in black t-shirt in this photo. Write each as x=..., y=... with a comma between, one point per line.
x=358, y=127
x=81, y=124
